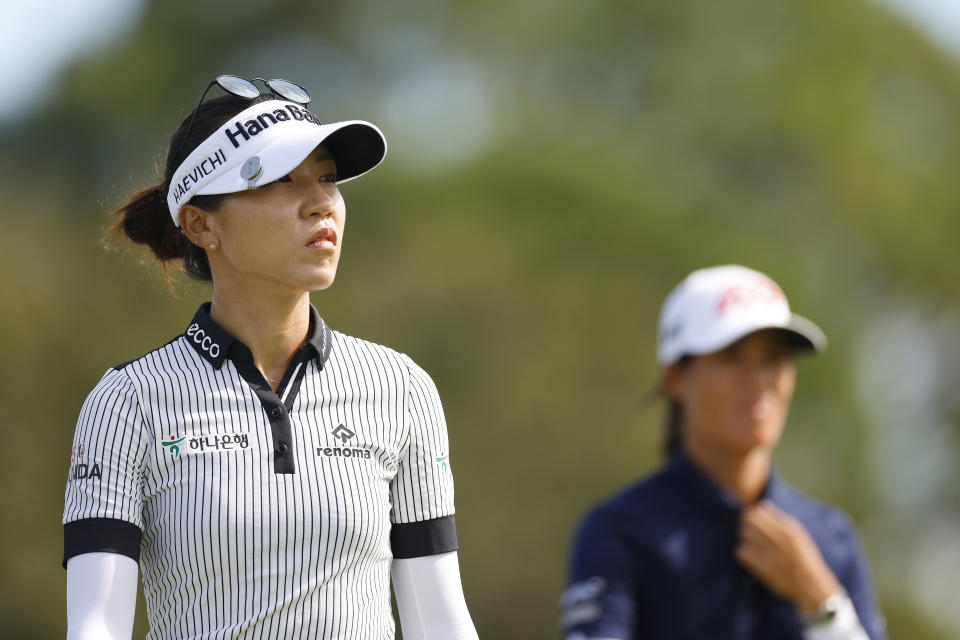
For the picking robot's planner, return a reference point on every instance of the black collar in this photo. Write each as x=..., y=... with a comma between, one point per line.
x=215, y=344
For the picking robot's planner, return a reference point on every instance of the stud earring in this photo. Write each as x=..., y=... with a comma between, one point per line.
x=212, y=246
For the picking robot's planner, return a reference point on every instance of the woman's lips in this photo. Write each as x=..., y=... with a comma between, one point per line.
x=324, y=240
x=322, y=243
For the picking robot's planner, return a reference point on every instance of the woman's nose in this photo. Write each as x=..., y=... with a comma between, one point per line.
x=319, y=199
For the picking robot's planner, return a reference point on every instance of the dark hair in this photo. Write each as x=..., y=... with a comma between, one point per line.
x=673, y=439
x=145, y=218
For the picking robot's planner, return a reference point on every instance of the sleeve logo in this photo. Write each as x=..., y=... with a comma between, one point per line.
x=81, y=470
x=582, y=603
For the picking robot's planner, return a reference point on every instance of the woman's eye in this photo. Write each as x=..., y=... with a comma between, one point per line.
x=285, y=178
x=329, y=177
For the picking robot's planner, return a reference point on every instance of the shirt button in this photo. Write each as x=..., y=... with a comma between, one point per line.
x=282, y=448
x=276, y=411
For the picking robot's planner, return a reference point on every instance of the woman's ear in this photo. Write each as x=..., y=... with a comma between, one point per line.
x=198, y=225
x=674, y=381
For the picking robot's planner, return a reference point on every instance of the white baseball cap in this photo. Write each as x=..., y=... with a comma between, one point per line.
x=713, y=308
x=265, y=142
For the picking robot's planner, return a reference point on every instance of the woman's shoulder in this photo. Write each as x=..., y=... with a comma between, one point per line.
x=372, y=354
x=171, y=361
x=129, y=379
x=153, y=353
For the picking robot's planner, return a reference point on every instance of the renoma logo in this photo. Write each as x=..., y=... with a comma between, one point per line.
x=344, y=435
x=199, y=336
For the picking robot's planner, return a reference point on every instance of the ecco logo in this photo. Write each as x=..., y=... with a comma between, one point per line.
x=195, y=333
x=343, y=434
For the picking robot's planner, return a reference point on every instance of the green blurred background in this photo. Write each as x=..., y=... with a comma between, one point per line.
x=554, y=169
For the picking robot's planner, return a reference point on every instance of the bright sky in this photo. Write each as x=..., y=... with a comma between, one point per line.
x=939, y=18
x=39, y=37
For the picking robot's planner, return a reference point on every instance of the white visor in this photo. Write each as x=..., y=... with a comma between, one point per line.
x=265, y=142
x=713, y=308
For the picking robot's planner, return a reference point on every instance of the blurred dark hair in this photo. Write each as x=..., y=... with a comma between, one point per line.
x=673, y=438
x=145, y=218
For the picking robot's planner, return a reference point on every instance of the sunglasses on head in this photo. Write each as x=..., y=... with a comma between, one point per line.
x=246, y=89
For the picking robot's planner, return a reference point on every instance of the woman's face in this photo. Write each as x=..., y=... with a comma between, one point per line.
x=736, y=400
x=287, y=233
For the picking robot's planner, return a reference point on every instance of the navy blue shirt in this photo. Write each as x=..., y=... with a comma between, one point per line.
x=657, y=561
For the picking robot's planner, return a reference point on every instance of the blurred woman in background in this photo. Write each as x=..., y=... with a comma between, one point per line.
x=266, y=472
x=716, y=544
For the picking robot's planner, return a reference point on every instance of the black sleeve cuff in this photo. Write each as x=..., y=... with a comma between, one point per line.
x=425, y=538
x=101, y=534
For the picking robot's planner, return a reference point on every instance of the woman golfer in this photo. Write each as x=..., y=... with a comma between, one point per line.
x=716, y=544
x=267, y=473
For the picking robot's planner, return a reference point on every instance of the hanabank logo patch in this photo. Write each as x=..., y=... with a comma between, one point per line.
x=344, y=435
x=240, y=132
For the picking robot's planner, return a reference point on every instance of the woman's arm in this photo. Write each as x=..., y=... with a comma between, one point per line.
x=430, y=598
x=101, y=596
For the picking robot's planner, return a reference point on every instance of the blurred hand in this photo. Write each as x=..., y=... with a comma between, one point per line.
x=780, y=553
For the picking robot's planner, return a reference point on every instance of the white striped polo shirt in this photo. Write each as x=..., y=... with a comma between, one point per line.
x=257, y=514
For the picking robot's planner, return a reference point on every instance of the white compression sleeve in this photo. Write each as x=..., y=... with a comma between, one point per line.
x=430, y=598
x=844, y=626
x=101, y=596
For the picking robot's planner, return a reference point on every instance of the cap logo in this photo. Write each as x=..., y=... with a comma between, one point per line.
x=746, y=295
x=204, y=168
x=239, y=133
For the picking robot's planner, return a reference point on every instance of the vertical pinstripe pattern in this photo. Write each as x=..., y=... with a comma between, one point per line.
x=232, y=549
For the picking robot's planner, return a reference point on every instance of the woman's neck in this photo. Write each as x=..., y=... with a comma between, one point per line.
x=745, y=475
x=273, y=325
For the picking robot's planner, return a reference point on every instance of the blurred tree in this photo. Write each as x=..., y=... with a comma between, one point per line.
x=554, y=169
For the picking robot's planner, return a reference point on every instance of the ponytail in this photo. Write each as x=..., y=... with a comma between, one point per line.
x=145, y=218
x=673, y=436
x=673, y=439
